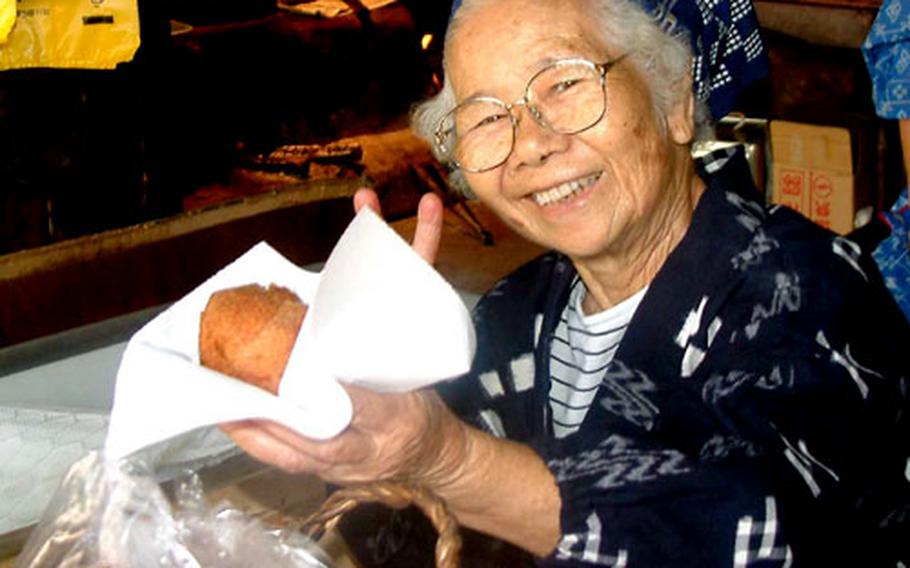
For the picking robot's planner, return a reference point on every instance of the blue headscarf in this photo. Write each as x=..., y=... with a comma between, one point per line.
x=887, y=53
x=727, y=48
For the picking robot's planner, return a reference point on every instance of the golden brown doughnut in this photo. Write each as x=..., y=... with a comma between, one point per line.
x=248, y=332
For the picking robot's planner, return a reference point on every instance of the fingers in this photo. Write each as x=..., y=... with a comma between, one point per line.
x=390, y=435
x=347, y=447
x=256, y=440
x=366, y=197
x=429, y=227
x=274, y=443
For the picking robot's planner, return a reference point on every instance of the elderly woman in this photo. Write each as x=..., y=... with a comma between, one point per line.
x=691, y=378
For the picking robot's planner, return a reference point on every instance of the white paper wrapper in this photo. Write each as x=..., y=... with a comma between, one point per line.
x=379, y=316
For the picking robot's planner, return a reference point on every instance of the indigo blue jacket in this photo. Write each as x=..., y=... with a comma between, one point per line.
x=754, y=414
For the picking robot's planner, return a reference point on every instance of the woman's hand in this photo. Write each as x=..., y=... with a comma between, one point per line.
x=390, y=435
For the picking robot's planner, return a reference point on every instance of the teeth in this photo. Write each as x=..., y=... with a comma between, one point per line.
x=564, y=190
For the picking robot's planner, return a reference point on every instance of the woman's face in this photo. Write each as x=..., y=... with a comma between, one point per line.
x=623, y=162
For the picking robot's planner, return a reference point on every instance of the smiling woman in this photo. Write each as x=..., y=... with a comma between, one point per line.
x=690, y=377
x=561, y=167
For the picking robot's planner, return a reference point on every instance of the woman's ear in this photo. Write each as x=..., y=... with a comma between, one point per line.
x=681, y=118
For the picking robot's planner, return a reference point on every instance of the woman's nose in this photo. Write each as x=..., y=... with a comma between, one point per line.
x=534, y=141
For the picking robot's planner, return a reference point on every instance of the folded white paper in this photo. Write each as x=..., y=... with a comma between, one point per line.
x=379, y=316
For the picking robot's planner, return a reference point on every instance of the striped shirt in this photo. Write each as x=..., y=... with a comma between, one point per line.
x=582, y=349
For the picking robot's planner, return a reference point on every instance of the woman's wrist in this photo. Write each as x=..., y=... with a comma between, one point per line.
x=442, y=460
x=496, y=486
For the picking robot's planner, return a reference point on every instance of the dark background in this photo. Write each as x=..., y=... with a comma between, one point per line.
x=86, y=151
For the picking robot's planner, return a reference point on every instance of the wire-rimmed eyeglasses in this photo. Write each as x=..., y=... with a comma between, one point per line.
x=567, y=96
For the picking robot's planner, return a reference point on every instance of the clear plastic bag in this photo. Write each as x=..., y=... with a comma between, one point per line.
x=107, y=514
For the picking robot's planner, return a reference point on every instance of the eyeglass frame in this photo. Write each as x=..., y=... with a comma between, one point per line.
x=524, y=100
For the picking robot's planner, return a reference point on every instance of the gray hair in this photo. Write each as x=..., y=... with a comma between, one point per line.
x=661, y=56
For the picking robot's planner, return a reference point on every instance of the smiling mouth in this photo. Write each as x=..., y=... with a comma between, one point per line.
x=565, y=190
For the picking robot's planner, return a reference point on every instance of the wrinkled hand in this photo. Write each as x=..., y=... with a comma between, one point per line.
x=405, y=436
x=408, y=435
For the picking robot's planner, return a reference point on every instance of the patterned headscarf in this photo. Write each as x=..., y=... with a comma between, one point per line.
x=726, y=45
x=887, y=53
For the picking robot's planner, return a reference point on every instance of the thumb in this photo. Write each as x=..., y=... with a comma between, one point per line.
x=365, y=197
x=429, y=227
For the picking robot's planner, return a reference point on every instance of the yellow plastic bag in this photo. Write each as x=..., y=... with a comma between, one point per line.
x=75, y=34
x=7, y=18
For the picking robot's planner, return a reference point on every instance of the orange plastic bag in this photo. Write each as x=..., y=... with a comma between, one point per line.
x=75, y=34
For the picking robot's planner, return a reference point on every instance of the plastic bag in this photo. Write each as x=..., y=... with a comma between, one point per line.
x=7, y=18
x=75, y=34
x=108, y=514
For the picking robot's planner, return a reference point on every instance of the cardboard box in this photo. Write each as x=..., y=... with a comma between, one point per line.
x=812, y=172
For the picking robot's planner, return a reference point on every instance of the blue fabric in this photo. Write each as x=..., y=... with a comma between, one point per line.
x=727, y=48
x=755, y=413
x=892, y=254
x=887, y=53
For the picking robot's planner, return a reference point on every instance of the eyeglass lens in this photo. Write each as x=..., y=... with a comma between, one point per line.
x=568, y=97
